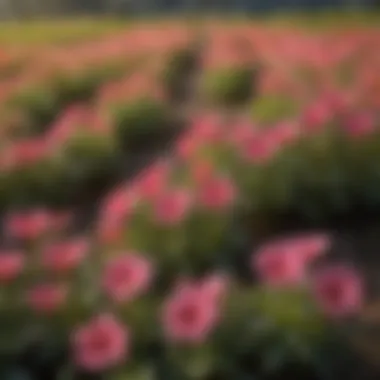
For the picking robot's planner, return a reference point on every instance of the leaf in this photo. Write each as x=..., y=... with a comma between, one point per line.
x=141, y=373
x=268, y=109
x=141, y=316
x=198, y=363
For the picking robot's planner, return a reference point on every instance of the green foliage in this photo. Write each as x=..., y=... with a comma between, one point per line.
x=86, y=152
x=41, y=104
x=38, y=106
x=262, y=333
x=230, y=86
x=272, y=332
x=82, y=85
x=269, y=109
x=178, y=72
x=140, y=122
x=45, y=181
x=86, y=161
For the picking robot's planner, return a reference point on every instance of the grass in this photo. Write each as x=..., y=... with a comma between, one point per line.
x=45, y=32
x=328, y=20
x=57, y=31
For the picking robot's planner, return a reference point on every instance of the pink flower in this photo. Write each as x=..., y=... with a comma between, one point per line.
x=337, y=101
x=100, y=344
x=110, y=230
x=172, y=206
x=11, y=265
x=46, y=298
x=188, y=145
x=316, y=116
x=65, y=256
x=308, y=246
x=61, y=220
x=278, y=264
x=217, y=193
x=242, y=132
x=338, y=290
x=64, y=127
x=189, y=316
x=127, y=276
x=259, y=149
x=359, y=125
x=28, y=225
x=153, y=181
x=285, y=132
x=29, y=152
x=215, y=286
x=119, y=204
x=207, y=128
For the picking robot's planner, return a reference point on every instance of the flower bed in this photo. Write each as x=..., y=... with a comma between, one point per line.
x=185, y=270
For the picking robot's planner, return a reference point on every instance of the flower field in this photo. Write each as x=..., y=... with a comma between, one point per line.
x=169, y=201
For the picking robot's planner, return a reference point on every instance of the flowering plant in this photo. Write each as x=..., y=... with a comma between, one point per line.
x=162, y=281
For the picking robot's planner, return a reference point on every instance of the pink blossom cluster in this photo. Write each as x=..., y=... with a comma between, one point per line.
x=193, y=308
x=218, y=165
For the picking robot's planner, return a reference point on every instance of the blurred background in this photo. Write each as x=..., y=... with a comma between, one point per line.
x=18, y=9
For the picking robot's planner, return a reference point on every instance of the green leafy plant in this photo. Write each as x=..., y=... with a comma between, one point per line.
x=269, y=109
x=179, y=71
x=230, y=86
x=142, y=122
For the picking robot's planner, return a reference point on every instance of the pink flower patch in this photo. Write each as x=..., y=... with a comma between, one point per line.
x=260, y=149
x=46, y=298
x=110, y=230
x=338, y=290
x=212, y=287
x=11, y=265
x=28, y=225
x=285, y=132
x=279, y=264
x=100, y=344
x=359, y=125
x=172, y=206
x=309, y=246
x=189, y=316
x=29, y=152
x=215, y=286
x=61, y=220
x=217, y=193
x=119, y=204
x=153, y=181
x=65, y=256
x=241, y=133
x=127, y=276
x=316, y=116
x=207, y=128
x=187, y=146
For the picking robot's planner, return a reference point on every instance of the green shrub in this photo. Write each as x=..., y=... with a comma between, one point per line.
x=230, y=86
x=269, y=109
x=38, y=106
x=178, y=70
x=82, y=85
x=45, y=182
x=90, y=158
x=85, y=162
x=141, y=122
